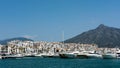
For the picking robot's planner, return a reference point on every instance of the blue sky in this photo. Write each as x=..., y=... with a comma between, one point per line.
x=44, y=20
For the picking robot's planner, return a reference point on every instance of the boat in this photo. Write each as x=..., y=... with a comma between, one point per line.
x=49, y=55
x=109, y=55
x=14, y=56
x=118, y=54
x=38, y=55
x=93, y=55
x=0, y=57
x=69, y=55
x=88, y=55
x=42, y=55
x=29, y=55
x=82, y=56
x=4, y=56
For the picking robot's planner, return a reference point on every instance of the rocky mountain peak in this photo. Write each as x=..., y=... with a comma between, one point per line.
x=102, y=26
x=103, y=36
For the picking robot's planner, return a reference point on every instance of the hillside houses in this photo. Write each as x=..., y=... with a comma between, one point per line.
x=25, y=47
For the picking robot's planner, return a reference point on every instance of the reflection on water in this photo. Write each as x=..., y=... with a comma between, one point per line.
x=59, y=63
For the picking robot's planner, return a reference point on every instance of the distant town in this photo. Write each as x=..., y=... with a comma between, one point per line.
x=20, y=49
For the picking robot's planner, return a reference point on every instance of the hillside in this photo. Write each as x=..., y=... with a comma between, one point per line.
x=4, y=42
x=103, y=36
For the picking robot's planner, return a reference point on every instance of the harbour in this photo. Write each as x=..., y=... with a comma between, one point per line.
x=59, y=34
x=21, y=49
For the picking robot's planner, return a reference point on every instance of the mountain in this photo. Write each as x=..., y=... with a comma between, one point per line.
x=4, y=42
x=103, y=36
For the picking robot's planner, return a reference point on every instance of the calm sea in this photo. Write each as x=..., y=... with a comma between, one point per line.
x=59, y=63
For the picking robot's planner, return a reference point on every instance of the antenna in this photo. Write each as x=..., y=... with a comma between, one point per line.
x=63, y=37
x=63, y=40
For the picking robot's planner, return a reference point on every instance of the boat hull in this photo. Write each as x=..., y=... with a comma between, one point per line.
x=94, y=56
x=68, y=55
x=109, y=56
x=82, y=56
x=50, y=56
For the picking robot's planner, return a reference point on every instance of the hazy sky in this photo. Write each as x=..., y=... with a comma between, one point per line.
x=46, y=19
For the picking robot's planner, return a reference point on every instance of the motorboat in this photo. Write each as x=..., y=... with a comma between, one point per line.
x=29, y=55
x=15, y=56
x=50, y=55
x=109, y=55
x=0, y=57
x=69, y=55
x=94, y=55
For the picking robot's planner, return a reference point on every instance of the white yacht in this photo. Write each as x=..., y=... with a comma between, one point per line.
x=93, y=54
x=82, y=56
x=0, y=57
x=14, y=56
x=109, y=55
x=29, y=55
x=41, y=55
x=69, y=55
x=88, y=55
x=38, y=55
x=50, y=55
x=118, y=54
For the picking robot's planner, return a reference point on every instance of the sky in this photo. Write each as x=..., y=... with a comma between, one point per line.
x=45, y=20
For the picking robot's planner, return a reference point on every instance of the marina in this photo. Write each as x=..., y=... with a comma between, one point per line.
x=21, y=49
x=59, y=34
x=72, y=55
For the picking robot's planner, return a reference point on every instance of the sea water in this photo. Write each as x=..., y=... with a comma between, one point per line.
x=59, y=63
